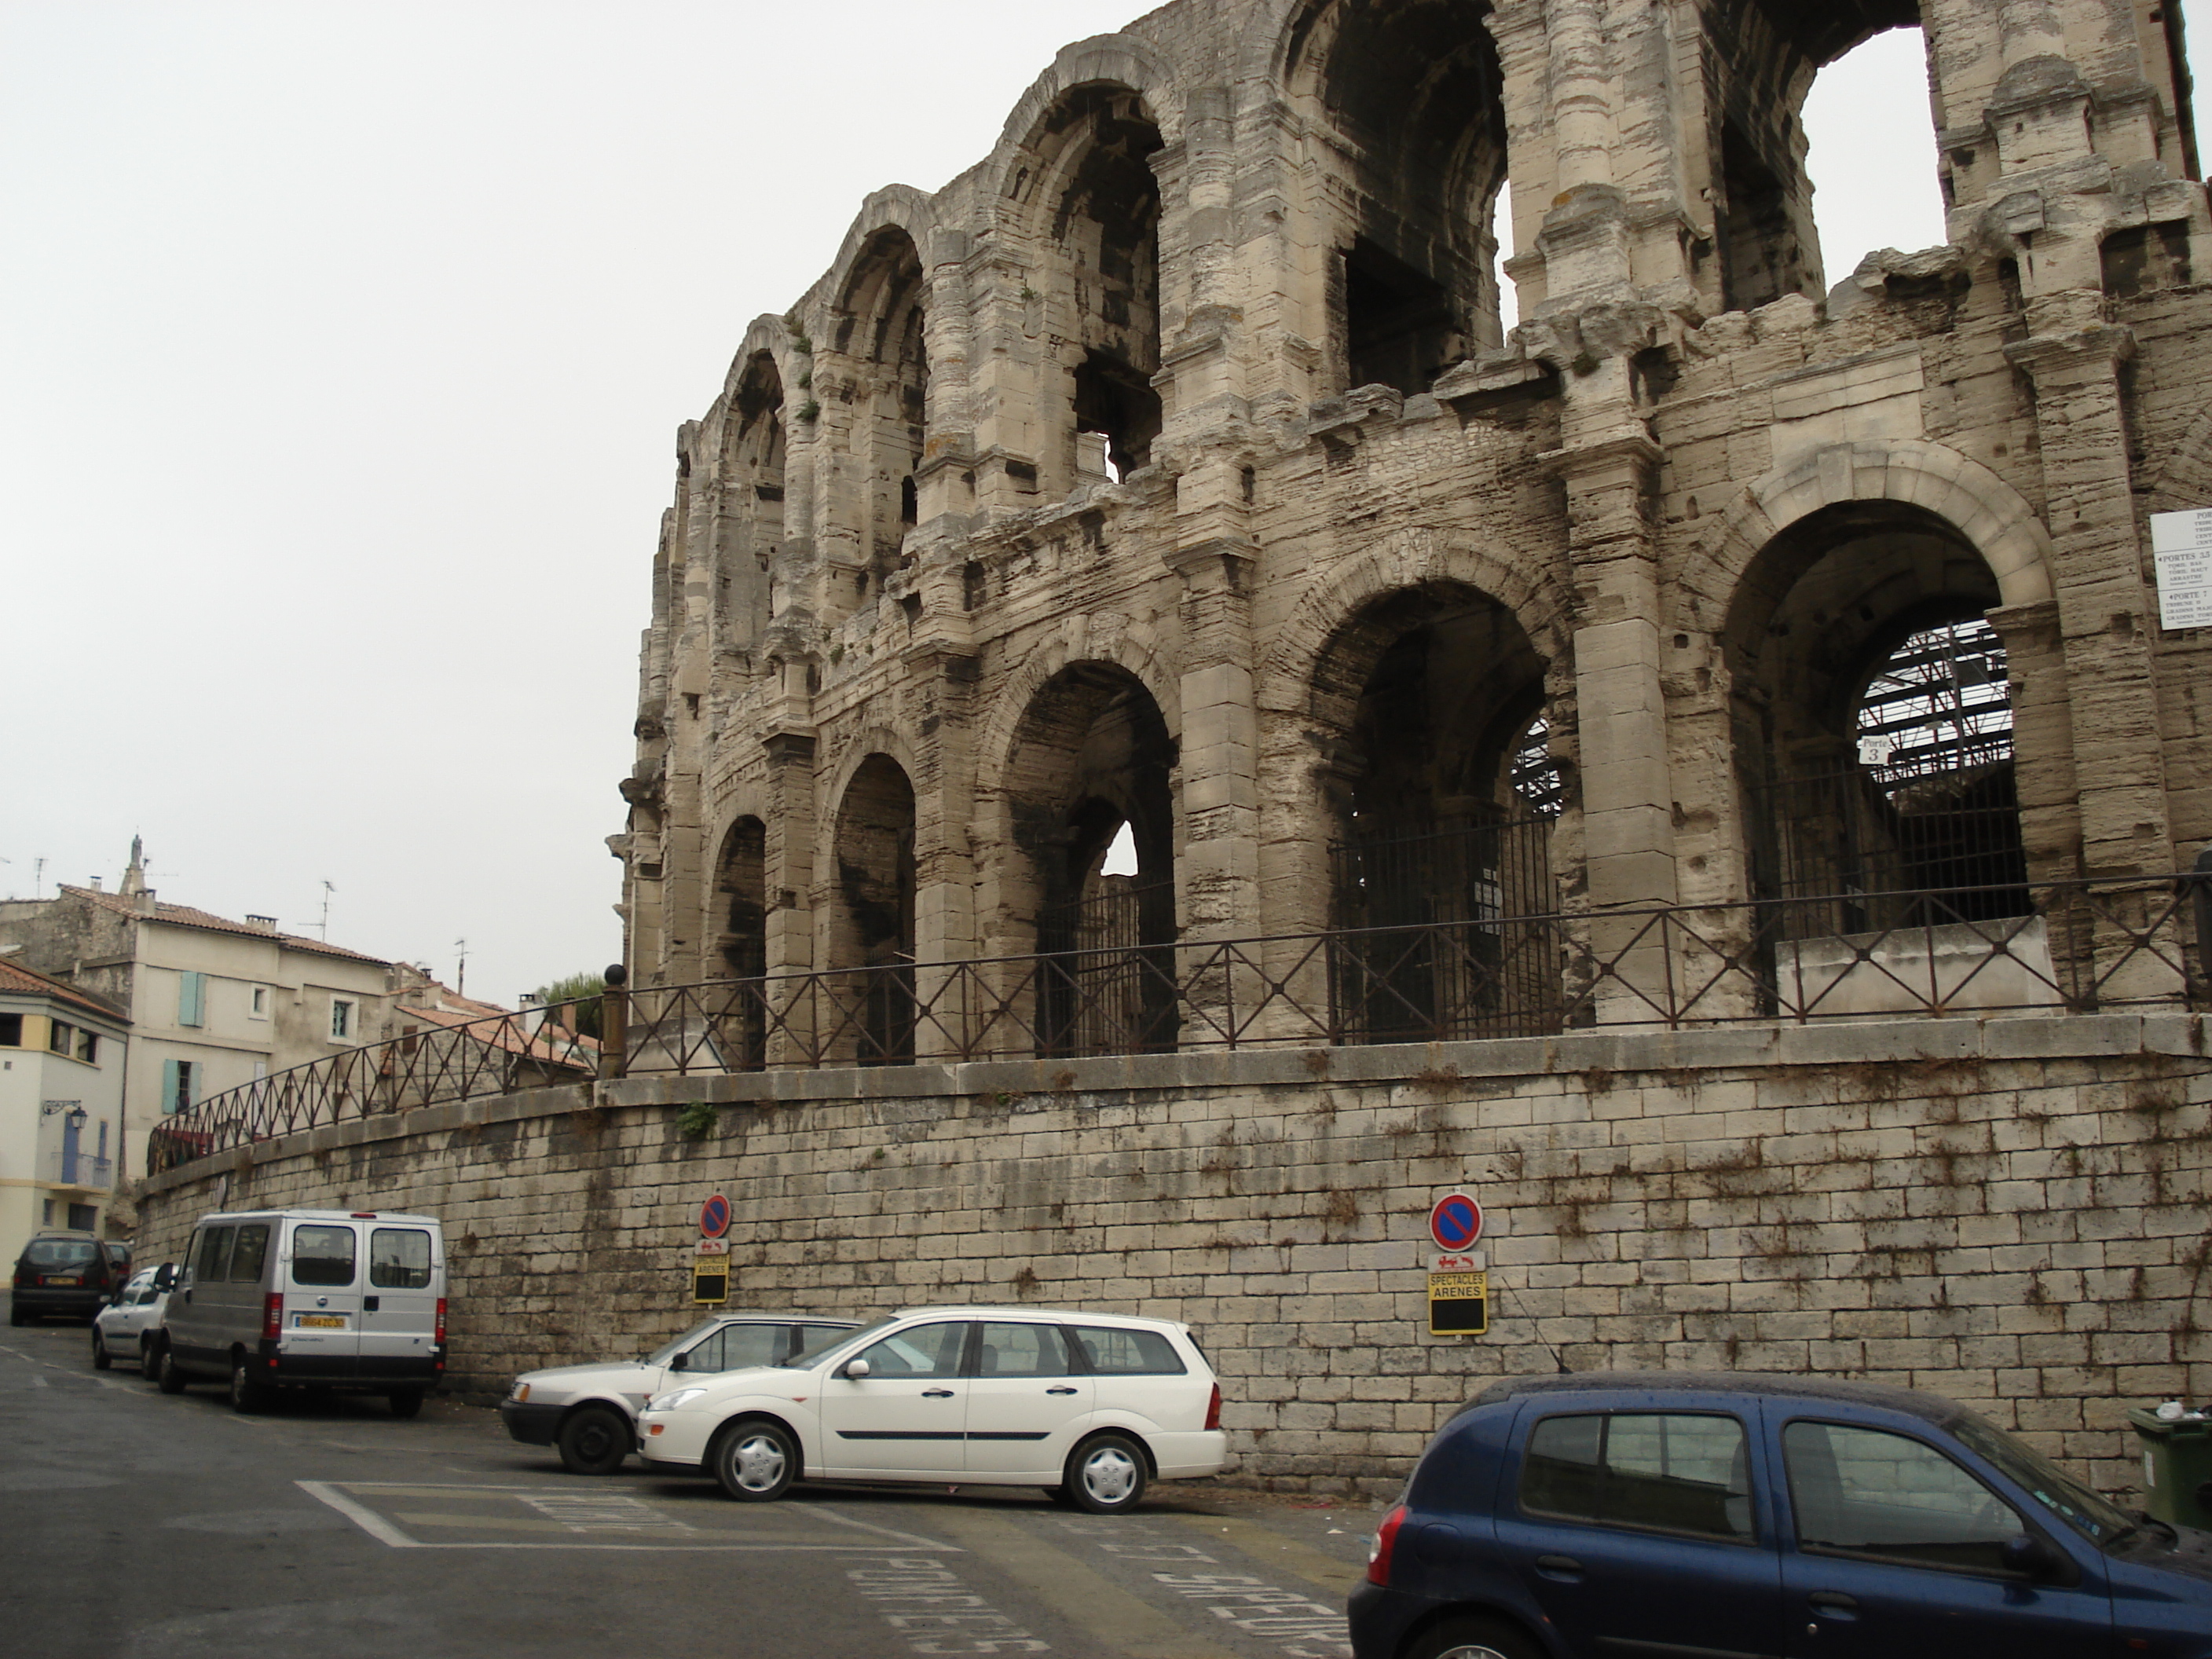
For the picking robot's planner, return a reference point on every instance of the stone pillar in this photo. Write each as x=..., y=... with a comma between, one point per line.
x=1622, y=735
x=942, y=670
x=794, y=829
x=2108, y=618
x=1218, y=853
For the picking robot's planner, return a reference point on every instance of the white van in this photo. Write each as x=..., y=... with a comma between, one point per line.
x=322, y=1298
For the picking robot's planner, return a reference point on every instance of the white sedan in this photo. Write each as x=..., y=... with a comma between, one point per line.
x=119, y=1330
x=1090, y=1407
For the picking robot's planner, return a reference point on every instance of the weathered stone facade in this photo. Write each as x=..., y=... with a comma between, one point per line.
x=1169, y=473
x=1168, y=470
x=2011, y=1213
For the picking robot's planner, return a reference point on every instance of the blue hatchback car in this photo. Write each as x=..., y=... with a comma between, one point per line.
x=1718, y=1516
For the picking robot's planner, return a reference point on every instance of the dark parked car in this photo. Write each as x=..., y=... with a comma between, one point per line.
x=62, y=1273
x=1723, y=1515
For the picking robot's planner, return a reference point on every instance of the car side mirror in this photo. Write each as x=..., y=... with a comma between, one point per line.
x=164, y=1277
x=681, y=1362
x=2032, y=1557
x=856, y=1368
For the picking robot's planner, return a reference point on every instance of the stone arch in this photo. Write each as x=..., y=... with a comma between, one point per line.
x=1407, y=559
x=878, y=343
x=1078, y=192
x=1123, y=648
x=1411, y=96
x=1760, y=59
x=1986, y=511
x=1120, y=60
x=873, y=900
x=1863, y=551
x=894, y=207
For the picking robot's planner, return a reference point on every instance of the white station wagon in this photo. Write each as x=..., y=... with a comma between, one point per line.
x=1090, y=1407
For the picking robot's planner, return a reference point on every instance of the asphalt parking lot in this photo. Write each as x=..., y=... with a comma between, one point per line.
x=138, y=1525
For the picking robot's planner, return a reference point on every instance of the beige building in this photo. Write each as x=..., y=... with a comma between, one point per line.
x=1169, y=479
x=213, y=1003
x=63, y=1061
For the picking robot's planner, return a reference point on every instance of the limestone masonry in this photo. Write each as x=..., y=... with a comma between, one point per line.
x=1173, y=738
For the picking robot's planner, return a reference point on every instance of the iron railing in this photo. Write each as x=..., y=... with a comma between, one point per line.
x=2080, y=947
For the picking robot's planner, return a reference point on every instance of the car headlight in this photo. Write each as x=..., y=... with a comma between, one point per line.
x=669, y=1402
x=520, y=1392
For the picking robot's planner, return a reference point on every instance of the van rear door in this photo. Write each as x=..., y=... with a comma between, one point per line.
x=321, y=1328
x=399, y=1303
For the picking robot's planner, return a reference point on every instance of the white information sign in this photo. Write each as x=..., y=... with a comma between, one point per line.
x=2182, y=545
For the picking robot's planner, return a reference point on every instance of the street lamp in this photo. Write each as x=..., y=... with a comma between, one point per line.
x=76, y=1117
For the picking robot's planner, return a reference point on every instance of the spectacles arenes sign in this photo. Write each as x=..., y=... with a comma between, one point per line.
x=1459, y=1291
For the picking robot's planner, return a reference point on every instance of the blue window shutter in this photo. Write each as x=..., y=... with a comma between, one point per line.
x=192, y=999
x=168, y=1087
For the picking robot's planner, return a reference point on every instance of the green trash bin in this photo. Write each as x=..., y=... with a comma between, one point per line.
x=2177, y=1468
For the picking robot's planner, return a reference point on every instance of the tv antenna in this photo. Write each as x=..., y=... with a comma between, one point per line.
x=323, y=927
x=461, y=972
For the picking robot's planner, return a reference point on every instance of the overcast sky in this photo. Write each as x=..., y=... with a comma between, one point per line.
x=342, y=349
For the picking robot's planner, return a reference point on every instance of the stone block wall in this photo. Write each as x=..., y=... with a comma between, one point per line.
x=2011, y=1213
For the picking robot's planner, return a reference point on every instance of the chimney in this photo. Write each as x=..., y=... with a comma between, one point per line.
x=96, y=884
x=264, y=924
x=531, y=1007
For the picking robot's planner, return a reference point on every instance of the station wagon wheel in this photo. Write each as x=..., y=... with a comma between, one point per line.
x=755, y=1460
x=593, y=1441
x=149, y=1359
x=1106, y=1474
x=166, y=1376
x=1471, y=1639
x=101, y=1359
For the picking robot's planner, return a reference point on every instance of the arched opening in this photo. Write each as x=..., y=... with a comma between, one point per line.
x=1761, y=57
x=1091, y=769
x=872, y=913
x=881, y=323
x=1870, y=157
x=1095, y=206
x=739, y=931
x=1411, y=90
x=1444, y=793
x=1872, y=712
x=751, y=527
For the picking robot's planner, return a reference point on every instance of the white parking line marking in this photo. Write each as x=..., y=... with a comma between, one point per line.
x=1305, y=1628
x=937, y=1613
x=367, y=1520
x=342, y=1497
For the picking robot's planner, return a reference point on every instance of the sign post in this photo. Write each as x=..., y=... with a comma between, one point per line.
x=1459, y=1279
x=710, y=1266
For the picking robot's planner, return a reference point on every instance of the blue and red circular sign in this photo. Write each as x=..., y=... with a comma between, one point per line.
x=1455, y=1222
x=714, y=1217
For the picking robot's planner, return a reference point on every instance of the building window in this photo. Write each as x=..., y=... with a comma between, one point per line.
x=87, y=1047
x=11, y=1030
x=191, y=999
x=258, y=1002
x=342, y=1019
x=60, y=1036
x=180, y=1085
x=83, y=1217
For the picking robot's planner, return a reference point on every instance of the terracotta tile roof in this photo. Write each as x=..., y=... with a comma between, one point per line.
x=183, y=916
x=554, y=1044
x=14, y=977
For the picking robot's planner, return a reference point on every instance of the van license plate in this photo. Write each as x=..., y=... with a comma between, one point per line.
x=322, y=1322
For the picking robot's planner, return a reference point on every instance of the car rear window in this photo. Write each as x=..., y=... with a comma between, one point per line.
x=399, y=1259
x=322, y=1255
x=1668, y=1470
x=59, y=1253
x=1111, y=1350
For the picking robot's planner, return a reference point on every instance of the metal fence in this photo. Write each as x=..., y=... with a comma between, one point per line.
x=2078, y=947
